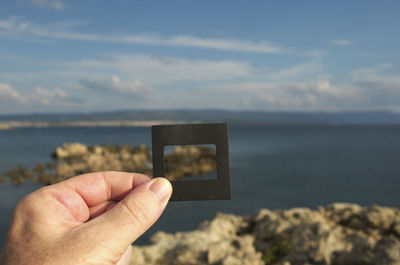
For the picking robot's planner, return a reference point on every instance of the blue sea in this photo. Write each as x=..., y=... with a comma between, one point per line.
x=271, y=167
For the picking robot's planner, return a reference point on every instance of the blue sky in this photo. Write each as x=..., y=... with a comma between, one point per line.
x=85, y=56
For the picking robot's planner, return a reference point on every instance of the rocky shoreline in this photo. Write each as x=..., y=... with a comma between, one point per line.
x=75, y=158
x=337, y=234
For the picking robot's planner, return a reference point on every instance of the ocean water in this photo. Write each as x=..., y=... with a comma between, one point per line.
x=271, y=167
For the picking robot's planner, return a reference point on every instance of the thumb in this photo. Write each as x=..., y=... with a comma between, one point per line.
x=126, y=257
x=132, y=216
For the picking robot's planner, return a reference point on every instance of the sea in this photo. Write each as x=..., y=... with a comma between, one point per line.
x=274, y=167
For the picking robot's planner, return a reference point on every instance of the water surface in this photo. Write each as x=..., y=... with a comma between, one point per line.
x=271, y=167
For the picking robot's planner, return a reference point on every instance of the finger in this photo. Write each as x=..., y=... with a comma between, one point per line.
x=132, y=216
x=95, y=188
x=100, y=209
x=77, y=195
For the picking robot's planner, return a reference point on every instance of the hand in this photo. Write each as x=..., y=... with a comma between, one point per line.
x=89, y=219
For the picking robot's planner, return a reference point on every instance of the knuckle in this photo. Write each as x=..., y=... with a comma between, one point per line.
x=138, y=212
x=24, y=204
x=29, y=204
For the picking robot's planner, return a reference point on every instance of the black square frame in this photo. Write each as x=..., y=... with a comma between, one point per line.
x=194, y=134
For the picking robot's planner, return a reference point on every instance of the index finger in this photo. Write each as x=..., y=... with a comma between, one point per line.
x=99, y=187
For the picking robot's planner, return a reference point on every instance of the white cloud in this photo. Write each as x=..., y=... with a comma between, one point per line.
x=371, y=88
x=341, y=42
x=379, y=86
x=285, y=89
x=173, y=82
x=223, y=44
x=47, y=97
x=161, y=70
x=374, y=78
x=182, y=82
x=52, y=4
x=270, y=96
x=8, y=93
x=297, y=71
x=155, y=71
x=313, y=95
x=10, y=98
x=15, y=26
x=114, y=85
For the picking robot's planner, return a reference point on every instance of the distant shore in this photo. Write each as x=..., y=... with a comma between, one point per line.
x=134, y=118
x=9, y=125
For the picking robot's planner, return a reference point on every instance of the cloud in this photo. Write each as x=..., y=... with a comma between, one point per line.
x=222, y=44
x=367, y=89
x=11, y=98
x=175, y=82
x=52, y=4
x=286, y=89
x=197, y=83
x=341, y=42
x=156, y=72
x=23, y=28
x=172, y=81
x=294, y=96
x=376, y=79
x=114, y=85
x=8, y=93
x=300, y=70
x=381, y=89
x=161, y=70
x=47, y=97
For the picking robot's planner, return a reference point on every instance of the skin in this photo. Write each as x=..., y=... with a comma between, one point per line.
x=90, y=219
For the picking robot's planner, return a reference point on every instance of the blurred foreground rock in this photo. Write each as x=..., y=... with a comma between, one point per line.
x=340, y=234
x=75, y=158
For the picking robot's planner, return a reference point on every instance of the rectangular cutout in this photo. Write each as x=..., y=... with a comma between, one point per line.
x=190, y=162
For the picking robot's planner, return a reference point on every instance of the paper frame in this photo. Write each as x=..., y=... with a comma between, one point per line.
x=194, y=134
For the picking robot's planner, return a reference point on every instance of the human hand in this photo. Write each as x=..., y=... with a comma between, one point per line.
x=89, y=219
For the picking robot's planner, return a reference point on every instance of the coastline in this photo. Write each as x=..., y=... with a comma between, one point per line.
x=9, y=125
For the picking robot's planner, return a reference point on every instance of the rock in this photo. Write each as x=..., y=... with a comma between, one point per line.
x=329, y=235
x=17, y=175
x=387, y=251
x=75, y=159
x=214, y=242
x=381, y=218
x=3, y=179
x=70, y=151
x=346, y=214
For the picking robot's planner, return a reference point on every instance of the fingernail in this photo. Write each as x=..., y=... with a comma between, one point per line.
x=162, y=189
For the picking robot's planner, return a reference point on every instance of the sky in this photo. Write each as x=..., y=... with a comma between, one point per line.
x=97, y=55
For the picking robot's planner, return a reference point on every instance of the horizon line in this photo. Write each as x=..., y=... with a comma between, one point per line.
x=203, y=110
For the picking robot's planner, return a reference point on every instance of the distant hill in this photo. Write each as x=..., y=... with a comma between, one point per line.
x=213, y=115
